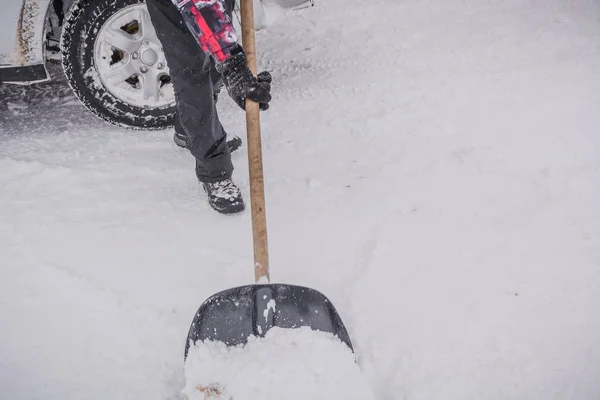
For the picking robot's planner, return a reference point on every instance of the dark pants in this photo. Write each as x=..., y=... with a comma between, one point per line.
x=196, y=82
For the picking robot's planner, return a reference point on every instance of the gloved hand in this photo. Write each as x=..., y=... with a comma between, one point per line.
x=242, y=84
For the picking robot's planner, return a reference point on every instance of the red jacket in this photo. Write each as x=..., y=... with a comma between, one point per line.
x=209, y=22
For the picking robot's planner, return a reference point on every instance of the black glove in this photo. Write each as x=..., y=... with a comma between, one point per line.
x=242, y=84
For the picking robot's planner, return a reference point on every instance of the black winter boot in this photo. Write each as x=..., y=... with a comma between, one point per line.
x=224, y=196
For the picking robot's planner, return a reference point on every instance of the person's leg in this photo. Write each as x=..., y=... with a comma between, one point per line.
x=192, y=76
x=180, y=137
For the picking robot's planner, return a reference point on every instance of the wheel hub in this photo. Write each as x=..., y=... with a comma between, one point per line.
x=149, y=57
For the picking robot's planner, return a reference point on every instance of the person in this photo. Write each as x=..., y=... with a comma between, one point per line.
x=203, y=54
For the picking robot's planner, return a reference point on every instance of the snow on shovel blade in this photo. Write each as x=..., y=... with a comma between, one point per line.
x=233, y=315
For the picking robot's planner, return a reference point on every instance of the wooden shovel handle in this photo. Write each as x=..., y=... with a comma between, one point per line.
x=257, y=187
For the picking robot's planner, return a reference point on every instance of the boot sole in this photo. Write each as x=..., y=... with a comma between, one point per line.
x=234, y=209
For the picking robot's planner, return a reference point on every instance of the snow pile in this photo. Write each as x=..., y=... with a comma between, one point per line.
x=299, y=363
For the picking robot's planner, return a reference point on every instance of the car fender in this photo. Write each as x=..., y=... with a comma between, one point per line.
x=25, y=61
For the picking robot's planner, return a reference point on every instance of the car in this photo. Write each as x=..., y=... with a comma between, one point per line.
x=109, y=52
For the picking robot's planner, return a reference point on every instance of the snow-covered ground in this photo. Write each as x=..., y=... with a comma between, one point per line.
x=433, y=167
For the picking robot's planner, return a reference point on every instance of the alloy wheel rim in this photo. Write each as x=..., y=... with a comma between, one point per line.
x=130, y=62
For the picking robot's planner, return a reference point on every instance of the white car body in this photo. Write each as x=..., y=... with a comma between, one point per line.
x=22, y=27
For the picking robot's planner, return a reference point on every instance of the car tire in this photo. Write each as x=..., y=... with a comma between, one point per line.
x=110, y=80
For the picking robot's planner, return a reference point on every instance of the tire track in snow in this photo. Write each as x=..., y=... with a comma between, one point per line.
x=123, y=299
x=353, y=285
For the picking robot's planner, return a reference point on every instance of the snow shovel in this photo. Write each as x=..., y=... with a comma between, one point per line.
x=233, y=315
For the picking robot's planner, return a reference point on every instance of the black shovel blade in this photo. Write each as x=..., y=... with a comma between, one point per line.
x=233, y=315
